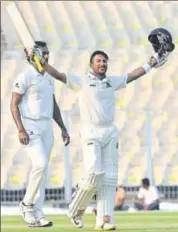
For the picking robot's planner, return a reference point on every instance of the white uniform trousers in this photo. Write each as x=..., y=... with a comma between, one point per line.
x=100, y=153
x=39, y=149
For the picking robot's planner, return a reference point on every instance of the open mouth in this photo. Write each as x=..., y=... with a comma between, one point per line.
x=102, y=68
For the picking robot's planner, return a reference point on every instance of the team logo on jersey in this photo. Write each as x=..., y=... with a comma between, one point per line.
x=107, y=85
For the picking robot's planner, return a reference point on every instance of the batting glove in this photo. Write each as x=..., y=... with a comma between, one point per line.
x=29, y=54
x=35, y=57
x=160, y=60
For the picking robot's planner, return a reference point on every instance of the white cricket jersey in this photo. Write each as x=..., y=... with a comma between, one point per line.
x=96, y=97
x=37, y=90
x=149, y=196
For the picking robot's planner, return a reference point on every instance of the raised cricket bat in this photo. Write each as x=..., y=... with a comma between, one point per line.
x=21, y=28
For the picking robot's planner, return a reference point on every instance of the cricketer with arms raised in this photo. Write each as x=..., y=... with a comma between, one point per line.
x=99, y=134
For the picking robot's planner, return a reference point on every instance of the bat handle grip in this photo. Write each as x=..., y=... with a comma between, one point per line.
x=39, y=66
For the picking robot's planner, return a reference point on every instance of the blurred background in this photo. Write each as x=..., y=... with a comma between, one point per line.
x=146, y=112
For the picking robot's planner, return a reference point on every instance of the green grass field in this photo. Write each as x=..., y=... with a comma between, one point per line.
x=126, y=222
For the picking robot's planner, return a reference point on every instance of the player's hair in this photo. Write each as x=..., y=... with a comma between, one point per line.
x=146, y=181
x=40, y=43
x=98, y=53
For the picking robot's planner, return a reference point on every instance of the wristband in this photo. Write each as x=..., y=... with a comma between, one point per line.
x=146, y=67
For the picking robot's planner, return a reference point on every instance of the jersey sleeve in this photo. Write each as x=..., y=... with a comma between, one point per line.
x=74, y=82
x=119, y=82
x=20, y=84
x=155, y=192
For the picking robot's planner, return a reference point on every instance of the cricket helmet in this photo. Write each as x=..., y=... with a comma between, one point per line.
x=161, y=40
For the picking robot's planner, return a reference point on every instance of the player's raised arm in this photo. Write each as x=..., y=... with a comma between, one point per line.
x=73, y=82
x=35, y=52
x=138, y=72
x=54, y=73
x=161, y=41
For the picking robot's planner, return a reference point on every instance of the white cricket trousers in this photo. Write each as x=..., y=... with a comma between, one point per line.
x=100, y=153
x=39, y=149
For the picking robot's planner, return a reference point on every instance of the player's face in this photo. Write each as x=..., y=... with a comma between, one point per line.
x=45, y=52
x=99, y=64
x=144, y=186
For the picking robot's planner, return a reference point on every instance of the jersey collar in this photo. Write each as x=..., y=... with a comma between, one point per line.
x=92, y=76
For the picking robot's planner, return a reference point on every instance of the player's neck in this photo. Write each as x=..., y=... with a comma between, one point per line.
x=99, y=76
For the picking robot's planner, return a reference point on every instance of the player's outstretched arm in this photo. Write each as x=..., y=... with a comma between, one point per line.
x=161, y=40
x=138, y=72
x=32, y=52
x=58, y=119
x=54, y=73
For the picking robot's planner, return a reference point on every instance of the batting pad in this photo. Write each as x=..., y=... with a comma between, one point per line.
x=85, y=193
x=105, y=204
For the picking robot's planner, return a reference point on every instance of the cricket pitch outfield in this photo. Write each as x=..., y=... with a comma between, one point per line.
x=125, y=222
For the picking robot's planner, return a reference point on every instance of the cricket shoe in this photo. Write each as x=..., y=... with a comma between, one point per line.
x=27, y=212
x=106, y=226
x=77, y=221
x=42, y=222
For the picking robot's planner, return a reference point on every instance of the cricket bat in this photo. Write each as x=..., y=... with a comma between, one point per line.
x=21, y=28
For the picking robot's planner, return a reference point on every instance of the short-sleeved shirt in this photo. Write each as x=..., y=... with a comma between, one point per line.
x=37, y=90
x=96, y=97
x=149, y=196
